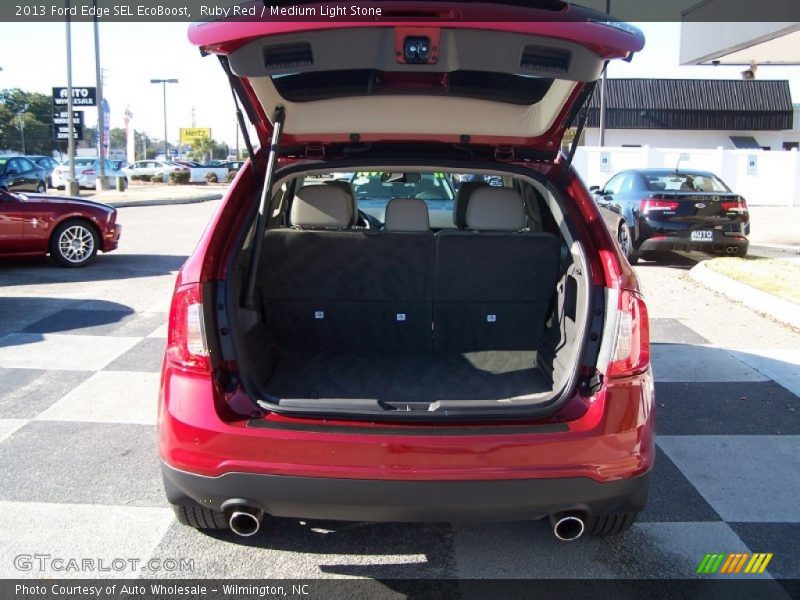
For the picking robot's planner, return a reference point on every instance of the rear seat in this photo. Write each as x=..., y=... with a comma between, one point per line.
x=493, y=282
x=325, y=285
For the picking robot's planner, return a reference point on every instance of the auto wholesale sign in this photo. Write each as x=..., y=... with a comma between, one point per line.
x=190, y=134
x=61, y=125
x=81, y=96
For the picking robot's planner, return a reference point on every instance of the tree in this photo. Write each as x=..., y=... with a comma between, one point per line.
x=202, y=148
x=35, y=111
x=117, y=139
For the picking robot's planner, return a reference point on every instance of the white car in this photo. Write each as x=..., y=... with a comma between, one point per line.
x=86, y=171
x=152, y=167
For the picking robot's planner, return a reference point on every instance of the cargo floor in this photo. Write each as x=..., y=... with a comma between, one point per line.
x=406, y=377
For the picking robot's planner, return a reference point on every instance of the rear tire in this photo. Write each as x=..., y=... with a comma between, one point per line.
x=626, y=243
x=603, y=525
x=200, y=517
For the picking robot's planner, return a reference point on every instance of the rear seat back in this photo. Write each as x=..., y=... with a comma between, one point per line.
x=494, y=282
x=327, y=286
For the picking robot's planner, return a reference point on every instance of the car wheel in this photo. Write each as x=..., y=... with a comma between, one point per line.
x=603, y=525
x=41, y=187
x=74, y=243
x=626, y=243
x=200, y=517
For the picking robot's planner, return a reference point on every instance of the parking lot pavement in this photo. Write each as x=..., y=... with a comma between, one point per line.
x=80, y=352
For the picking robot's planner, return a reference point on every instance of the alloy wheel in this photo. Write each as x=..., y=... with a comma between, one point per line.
x=76, y=244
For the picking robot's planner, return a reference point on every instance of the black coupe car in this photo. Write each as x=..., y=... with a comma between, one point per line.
x=20, y=174
x=652, y=210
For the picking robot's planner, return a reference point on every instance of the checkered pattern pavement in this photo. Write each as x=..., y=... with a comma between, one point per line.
x=80, y=473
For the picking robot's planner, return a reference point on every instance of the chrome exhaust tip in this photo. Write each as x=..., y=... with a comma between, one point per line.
x=568, y=527
x=245, y=521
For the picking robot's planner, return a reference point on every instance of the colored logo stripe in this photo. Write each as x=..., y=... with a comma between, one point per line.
x=734, y=562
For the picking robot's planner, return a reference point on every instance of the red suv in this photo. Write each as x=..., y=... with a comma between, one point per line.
x=337, y=350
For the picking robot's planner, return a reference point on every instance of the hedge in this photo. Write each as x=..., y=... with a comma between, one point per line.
x=177, y=177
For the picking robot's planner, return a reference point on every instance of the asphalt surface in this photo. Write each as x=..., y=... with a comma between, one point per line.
x=80, y=353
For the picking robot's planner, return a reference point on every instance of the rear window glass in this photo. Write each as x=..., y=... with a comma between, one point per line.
x=483, y=85
x=80, y=162
x=684, y=182
x=378, y=185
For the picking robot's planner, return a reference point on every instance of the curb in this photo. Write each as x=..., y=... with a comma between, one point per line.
x=776, y=248
x=777, y=308
x=163, y=201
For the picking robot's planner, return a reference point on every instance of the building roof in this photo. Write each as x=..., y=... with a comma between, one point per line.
x=694, y=104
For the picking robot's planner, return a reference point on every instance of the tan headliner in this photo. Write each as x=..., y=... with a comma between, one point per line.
x=409, y=114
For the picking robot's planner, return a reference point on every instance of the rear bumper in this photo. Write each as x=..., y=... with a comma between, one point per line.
x=406, y=501
x=719, y=243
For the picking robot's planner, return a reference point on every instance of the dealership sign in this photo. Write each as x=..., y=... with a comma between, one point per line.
x=81, y=96
x=61, y=125
x=190, y=134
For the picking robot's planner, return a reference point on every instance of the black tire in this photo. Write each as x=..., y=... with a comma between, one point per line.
x=626, y=243
x=41, y=187
x=199, y=517
x=603, y=525
x=74, y=243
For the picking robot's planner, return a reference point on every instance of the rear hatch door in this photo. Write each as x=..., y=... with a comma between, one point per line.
x=502, y=74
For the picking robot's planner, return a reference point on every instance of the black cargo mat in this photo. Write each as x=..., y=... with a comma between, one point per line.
x=406, y=377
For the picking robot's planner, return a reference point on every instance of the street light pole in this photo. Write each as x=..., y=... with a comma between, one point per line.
x=164, y=83
x=101, y=183
x=73, y=189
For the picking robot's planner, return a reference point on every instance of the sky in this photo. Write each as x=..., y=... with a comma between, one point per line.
x=133, y=53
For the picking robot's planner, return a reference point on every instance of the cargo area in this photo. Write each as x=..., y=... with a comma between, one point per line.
x=397, y=316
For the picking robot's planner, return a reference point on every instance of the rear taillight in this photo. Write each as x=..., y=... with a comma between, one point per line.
x=186, y=340
x=631, y=353
x=88, y=172
x=737, y=206
x=654, y=204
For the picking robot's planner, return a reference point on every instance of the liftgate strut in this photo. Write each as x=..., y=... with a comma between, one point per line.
x=266, y=195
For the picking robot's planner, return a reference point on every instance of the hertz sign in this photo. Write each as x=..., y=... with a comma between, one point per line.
x=190, y=134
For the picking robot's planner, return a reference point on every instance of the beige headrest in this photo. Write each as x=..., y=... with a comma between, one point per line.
x=495, y=209
x=406, y=214
x=322, y=207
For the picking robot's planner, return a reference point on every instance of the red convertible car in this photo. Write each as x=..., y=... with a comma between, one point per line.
x=71, y=230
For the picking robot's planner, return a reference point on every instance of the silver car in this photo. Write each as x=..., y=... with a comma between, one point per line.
x=153, y=167
x=86, y=171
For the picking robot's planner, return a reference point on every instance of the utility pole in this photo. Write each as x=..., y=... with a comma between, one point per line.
x=21, y=126
x=73, y=189
x=237, y=139
x=101, y=183
x=164, y=83
x=603, y=93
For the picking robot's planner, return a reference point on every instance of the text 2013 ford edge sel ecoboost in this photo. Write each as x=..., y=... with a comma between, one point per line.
x=324, y=362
